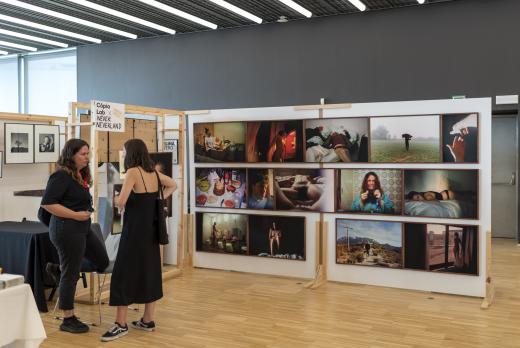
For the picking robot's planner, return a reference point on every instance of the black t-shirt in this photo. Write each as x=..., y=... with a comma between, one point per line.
x=63, y=189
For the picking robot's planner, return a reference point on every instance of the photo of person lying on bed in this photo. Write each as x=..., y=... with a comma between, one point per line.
x=219, y=142
x=304, y=189
x=336, y=140
x=441, y=193
x=366, y=191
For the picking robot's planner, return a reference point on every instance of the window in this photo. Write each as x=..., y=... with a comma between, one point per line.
x=9, y=84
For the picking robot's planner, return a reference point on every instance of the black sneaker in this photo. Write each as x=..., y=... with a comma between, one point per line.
x=73, y=325
x=53, y=270
x=114, y=333
x=141, y=325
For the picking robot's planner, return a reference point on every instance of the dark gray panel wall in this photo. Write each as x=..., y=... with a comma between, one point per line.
x=467, y=47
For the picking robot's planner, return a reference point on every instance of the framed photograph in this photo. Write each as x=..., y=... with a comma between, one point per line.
x=219, y=142
x=47, y=143
x=220, y=188
x=405, y=139
x=304, y=189
x=117, y=216
x=279, y=237
x=369, y=243
x=260, y=184
x=336, y=140
x=18, y=143
x=460, y=138
x=172, y=145
x=369, y=191
x=222, y=233
x=441, y=193
x=441, y=248
x=163, y=164
x=275, y=141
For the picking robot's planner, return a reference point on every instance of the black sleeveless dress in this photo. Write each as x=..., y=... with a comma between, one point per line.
x=137, y=277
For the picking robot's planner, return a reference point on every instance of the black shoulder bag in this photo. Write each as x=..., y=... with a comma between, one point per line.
x=44, y=216
x=162, y=232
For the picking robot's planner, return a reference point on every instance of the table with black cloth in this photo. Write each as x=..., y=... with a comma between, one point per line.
x=25, y=248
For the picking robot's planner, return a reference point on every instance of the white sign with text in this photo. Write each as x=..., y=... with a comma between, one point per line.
x=108, y=117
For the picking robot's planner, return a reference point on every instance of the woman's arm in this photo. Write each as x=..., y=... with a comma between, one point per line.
x=170, y=186
x=386, y=203
x=128, y=185
x=66, y=213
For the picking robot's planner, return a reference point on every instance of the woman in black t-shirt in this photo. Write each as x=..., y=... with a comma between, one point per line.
x=68, y=199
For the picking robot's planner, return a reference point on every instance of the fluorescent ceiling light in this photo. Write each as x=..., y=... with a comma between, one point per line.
x=47, y=28
x=297, y=8
x=179, y=13
x=420, y=1
x=33, y=38
x=4, y=53
x=21, y=47
x=68, y=18
x=360, y=6
x=237, y=10
x=123, y=15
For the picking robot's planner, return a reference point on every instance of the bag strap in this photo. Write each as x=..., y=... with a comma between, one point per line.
x=161, y=192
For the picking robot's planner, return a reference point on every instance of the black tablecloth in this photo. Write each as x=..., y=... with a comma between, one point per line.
x=25, y=248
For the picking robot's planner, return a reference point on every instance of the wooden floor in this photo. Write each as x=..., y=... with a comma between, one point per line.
x=205, y=308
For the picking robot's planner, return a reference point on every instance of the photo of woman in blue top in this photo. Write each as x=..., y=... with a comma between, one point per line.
x=372, y=198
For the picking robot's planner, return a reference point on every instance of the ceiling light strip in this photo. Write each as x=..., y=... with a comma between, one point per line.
x=179, y=13
x=420, y=1
x=122, y=15
x=4, y=53
x=68, y=18
x=359, y=5
x=21, y=47
x=47, y=28
x=237, y=10
x=297, y=8
x=33, y=38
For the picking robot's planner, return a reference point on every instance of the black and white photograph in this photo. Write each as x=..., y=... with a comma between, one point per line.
x=47, y=143
x=18, y=143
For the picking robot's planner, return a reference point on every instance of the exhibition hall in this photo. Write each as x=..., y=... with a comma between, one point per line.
x=245, y=173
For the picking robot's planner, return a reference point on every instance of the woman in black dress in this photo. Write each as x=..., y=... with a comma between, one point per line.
x=137, y=277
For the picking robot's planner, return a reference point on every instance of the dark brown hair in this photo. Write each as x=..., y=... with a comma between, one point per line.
x=66, y=161
x=137, y=155
x=364, y=186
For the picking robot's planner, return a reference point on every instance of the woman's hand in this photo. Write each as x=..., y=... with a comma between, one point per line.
x=82, y=215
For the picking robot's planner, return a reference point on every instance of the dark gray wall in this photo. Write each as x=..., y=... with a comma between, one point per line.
x=464, y=47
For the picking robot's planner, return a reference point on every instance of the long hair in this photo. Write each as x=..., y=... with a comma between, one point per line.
x=137, y=155
x=364, y=186
x=66, y=161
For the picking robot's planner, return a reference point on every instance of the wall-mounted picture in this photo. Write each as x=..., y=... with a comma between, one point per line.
x=441, y=248
x=304, y=189
x=172, y=145
x=117, y=215
x=369, y=243
x=219, y=142
x=222, y=233
x=441, y=193
x=277, y=142
x=336, y=140
x=47, y=138
x=220, y=188
x=460, y=138
x=369, y=191
x=163, y=164
x=18, y=143
x=405, y=139
x=279, y=237
x=260, y=184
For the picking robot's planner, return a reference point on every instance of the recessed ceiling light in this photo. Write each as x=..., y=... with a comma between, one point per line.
x=359, y=5
x=49, y=29
x=4, y=53
x=179, y=13
x=237, y=10
x=33, y=38
x=68, y=18
x=420, y=1
x=297, y=8
x=123, y=15
x=21, y=47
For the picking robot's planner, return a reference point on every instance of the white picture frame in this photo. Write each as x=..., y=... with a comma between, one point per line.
x=46, y=143
x=18, y=143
